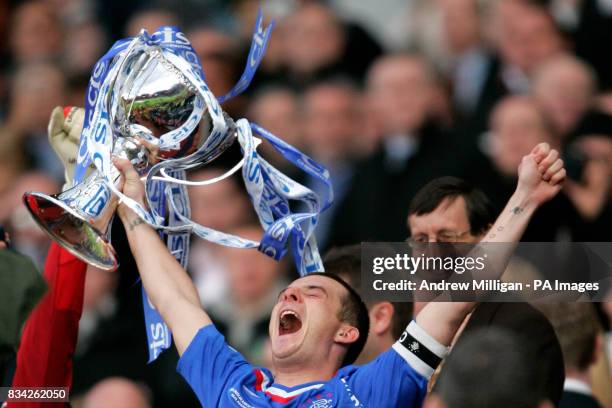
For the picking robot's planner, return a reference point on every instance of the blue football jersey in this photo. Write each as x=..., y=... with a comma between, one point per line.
x=221, y=377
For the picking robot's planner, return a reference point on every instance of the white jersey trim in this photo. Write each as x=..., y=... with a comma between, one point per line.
x=289, y=394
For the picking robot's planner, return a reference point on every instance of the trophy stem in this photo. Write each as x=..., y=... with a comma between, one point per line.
x=71, y=230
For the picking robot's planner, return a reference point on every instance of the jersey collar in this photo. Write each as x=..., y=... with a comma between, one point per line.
x=279, y=392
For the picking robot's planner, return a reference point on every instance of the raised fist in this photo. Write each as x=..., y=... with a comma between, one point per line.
x=541, y=174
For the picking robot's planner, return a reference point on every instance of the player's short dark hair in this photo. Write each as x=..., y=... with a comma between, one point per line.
x=577, y=345
x=354, y=312
x=345, y=261
x=428, y=198
x=490, y=368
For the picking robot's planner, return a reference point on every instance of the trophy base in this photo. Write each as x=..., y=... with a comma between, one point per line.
x=71, y=230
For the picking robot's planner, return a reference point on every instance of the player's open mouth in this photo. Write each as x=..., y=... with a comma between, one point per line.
x=289, y=322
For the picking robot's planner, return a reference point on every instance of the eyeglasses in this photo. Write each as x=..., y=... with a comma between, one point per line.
x=443, y=237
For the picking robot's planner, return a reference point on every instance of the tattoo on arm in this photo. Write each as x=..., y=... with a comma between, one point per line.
x=517, y=210
x=135, y=222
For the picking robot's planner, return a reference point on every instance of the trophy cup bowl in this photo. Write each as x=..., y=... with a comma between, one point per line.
x=154, y=99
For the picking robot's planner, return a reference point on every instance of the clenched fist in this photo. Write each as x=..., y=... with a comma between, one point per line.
x=541, y=174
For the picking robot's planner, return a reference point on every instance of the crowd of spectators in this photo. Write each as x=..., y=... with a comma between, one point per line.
x=462, y=88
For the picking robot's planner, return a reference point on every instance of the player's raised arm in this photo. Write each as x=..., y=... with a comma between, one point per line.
x=539, y=179
x=167, y=284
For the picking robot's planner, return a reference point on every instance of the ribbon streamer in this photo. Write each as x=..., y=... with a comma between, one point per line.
x=168, y=206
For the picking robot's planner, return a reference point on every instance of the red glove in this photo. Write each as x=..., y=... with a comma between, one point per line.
x=44, y=358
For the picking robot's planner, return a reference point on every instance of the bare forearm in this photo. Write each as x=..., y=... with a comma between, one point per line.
x=162, y=276
x=167, y=284
x=442, y=319
x=513, y=220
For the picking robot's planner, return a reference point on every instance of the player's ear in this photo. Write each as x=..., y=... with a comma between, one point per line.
x=598, y=348
x=347, y=334
x=381, y=317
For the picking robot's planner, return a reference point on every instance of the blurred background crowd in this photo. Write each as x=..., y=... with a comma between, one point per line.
x=387, y=94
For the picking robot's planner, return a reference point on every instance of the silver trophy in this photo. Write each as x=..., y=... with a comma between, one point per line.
x=154, y=98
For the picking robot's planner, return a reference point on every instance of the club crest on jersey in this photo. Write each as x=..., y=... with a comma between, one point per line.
x=320, y=403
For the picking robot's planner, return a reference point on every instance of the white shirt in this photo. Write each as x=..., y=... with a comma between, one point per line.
x=577, y=386
x=398, y=149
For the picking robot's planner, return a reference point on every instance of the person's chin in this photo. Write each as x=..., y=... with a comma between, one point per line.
x=287, y=345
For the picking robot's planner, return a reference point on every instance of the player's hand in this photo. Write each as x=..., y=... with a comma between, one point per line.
x=131, y=184
x=64, y=131
x=541, y=174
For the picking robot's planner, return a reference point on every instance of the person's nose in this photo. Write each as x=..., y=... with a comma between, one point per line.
x=431, y=248
x=292, y=294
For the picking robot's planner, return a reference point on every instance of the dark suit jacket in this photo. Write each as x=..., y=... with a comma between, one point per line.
x=571, y=399
x=554, y=217
x=375, y=207
x=536, y=333
x=492, y=92
x=595, y=24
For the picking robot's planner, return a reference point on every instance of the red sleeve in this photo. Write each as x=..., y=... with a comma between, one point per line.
x=49, y=338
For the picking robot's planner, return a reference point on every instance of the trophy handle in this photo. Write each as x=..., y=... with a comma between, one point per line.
x=73, y=229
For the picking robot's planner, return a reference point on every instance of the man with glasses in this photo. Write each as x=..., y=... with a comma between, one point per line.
x=450, y=210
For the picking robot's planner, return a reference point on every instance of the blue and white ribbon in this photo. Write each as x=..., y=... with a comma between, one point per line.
x=168, y=205
x=270, y=191
x=98, y=77
x=259, y=44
